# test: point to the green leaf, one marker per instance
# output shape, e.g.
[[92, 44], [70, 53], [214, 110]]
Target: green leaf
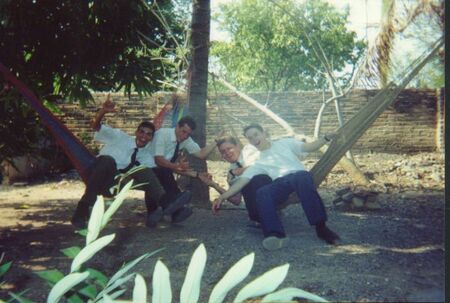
[[190, 291], [115, 294], [287, 294], [82, 232], [117, 283], [234, 276], [162, 291], [5, 267], [99, 278], [116, 204], [89, 251], [52, 276], [71, 252], [140, 290], [89, 291], [52, 107], [74, 299], [264, 284], [128, 266], [95, 220], [64, 285], [19, 298]]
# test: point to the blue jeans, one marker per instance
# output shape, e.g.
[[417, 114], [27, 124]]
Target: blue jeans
[[278, 191], [249, 194]]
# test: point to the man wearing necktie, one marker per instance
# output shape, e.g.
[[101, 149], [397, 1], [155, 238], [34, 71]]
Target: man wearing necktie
[[120, 153], [166, 147], [240, 158]]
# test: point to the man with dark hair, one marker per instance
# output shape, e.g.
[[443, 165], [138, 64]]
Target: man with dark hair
[[120, 153], [279, 160], [166, 148]]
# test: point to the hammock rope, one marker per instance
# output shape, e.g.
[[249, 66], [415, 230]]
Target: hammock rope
[[77, 153]]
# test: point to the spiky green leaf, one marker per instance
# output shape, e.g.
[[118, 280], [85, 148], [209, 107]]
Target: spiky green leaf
[[289, 293], [64, 285], [234, 276], [139, 290], [116, 204], [162, 291], [89, 251], [266, 283], [95, 220], [190, 291]]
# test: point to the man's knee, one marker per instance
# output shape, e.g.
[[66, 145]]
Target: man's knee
[[106, 161], [260, 180], [104, 165], [304, 177]]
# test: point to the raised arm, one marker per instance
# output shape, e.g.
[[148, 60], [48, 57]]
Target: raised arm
[[315, 145], [205, 151], [107, 107]]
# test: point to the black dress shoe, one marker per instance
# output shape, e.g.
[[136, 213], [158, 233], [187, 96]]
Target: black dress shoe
[[326, 234], [181, 215], [154, 217]]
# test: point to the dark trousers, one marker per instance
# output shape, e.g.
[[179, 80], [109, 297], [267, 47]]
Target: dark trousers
[[249, 194], [101, 179], [167, 181], [268, 196]]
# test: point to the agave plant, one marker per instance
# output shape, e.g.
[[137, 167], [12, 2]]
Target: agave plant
[[79, 281]]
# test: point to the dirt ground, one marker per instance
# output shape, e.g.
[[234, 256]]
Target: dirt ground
[[393, 253]]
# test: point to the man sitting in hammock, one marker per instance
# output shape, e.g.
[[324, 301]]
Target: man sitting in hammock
[[240, 158], [120, 153], [166, 148], [279, 160]]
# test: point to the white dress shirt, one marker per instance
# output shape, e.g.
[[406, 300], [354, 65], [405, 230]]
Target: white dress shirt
[[249, 154], [120, 146], [279, 160], [165, 141]]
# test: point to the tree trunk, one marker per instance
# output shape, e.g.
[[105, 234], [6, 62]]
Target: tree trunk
[[198, 88]]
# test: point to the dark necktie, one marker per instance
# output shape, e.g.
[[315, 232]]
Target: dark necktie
[[238, 164], [175, 153], [133, 160]]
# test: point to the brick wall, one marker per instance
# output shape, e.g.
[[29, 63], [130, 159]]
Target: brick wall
[[412, 124]]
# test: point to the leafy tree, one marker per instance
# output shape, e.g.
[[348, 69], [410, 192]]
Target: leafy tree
[[66, 49], [267, 51]]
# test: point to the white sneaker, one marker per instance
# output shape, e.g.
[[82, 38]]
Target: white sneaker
[[275, 243]]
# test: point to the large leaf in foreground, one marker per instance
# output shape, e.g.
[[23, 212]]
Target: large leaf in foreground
[[162, 291], [190, 291], [234, 276], [264, 284], [89, 251], [287, 294], [64, 285]]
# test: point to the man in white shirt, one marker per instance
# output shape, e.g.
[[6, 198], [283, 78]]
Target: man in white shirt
[[120, 153], [240, 158], [166, 148], [279, 160]]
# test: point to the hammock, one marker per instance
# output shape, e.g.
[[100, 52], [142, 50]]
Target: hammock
[[77, 153], [354, 128]]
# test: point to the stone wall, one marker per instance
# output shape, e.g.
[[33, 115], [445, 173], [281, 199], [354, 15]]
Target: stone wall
[[414, 123]]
